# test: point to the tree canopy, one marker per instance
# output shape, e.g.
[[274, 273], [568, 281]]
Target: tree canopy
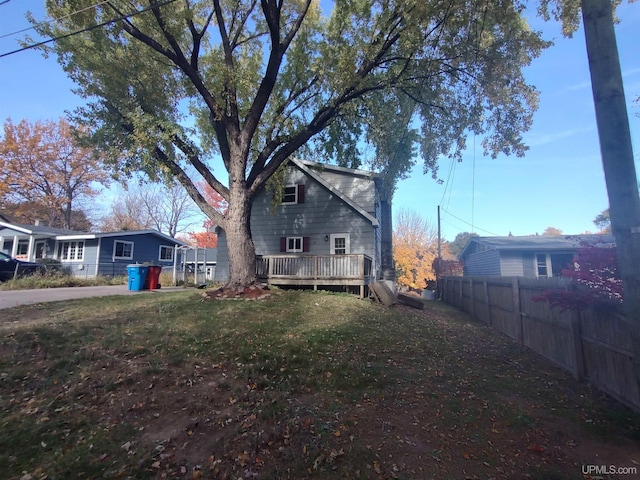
[[46, 172], [458, 243], [415, 247], [165, 208], [172, 85]]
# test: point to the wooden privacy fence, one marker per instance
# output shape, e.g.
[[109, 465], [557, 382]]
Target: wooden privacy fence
[[594, 345]]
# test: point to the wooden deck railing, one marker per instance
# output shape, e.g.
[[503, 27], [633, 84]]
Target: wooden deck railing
[[333, 268]]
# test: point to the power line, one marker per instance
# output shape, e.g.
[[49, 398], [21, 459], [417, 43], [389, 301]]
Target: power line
[[464, 221], [5, 1], [55, 20], [93, 27]]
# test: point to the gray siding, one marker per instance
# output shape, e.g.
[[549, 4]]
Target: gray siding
[[360, 190], [222, 265], [482, 263], [528, 264], [511, 264], [321, 214]]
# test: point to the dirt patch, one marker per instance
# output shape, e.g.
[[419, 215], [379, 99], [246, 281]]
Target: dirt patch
[[252, 292]]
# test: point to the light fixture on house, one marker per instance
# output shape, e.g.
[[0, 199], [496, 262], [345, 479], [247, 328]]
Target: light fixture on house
[[326, 238]]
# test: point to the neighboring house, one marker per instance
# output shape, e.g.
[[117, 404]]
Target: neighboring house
[[333, 227], [528, 256], [88, 254], [201, 260]]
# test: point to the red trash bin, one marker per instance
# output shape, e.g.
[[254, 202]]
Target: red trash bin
[[153, 278]]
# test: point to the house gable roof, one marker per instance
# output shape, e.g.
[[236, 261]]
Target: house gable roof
[[539, 242], [124, 233], [37, 229], [64, 234], [305, 167]]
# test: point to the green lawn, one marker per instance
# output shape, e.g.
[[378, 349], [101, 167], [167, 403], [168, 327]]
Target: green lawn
[[300, 385]]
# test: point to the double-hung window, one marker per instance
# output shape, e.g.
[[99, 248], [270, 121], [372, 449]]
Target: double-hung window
[[122, 250], [552, 264], [340, 243], [166, 253], [292, 195]]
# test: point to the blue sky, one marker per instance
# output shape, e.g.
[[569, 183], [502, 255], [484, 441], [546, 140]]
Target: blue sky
[[558, 183]]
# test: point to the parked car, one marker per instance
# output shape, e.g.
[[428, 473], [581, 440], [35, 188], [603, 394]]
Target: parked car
[[8, 266]]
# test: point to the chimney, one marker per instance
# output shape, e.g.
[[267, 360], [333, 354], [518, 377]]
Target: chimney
[[37, 223]]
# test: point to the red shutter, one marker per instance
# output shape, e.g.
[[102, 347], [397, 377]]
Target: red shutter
[[283, 244], [306, 242], [300, 193]]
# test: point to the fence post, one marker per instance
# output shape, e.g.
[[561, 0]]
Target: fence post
[[472, 300], [487, 301], [461, 296], [578, 346], [517, 314]]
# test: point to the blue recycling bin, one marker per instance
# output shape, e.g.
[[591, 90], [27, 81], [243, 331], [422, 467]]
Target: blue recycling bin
[[137, 276]]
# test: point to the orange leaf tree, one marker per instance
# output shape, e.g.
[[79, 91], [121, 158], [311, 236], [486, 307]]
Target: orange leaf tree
[[208, 238], [415, 246], [42, 164]]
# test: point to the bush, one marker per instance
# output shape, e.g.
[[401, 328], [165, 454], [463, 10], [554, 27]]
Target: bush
[[596, 280]]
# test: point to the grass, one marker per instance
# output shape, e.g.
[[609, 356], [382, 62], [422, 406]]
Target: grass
[[301, 385], [58, 280]]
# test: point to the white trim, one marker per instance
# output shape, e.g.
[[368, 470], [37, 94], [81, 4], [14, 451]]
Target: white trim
[[337, 168], [98, 248], [332, 243], [12, 226], [60, 245], [335, 191], [166, 247], [114, 257], [294, 250], [295, 195], [547, 261]]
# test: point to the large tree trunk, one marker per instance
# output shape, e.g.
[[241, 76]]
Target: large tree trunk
[[241, 250], [617, 155]]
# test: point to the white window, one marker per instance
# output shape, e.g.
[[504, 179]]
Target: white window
[[340, 243], [122, 250], [290, 195], [294, 244], [166, 253], [71, 251], [552, 264], [541, 265]]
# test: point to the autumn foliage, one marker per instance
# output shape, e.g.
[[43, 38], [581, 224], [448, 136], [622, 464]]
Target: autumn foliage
[[208, 238], [415, 246], [448, 267], [42, 166], [596, 280]]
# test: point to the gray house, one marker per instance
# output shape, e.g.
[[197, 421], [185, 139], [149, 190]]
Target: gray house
[[527, 256], [202, 261], [87, 254], [333, 227]]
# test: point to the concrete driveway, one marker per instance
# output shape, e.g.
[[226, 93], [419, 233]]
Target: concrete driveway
[[14, 298]]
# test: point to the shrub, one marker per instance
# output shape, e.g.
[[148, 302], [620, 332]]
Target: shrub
[[596, 280]]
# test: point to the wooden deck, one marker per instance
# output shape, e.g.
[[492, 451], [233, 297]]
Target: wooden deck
[[316, 270]]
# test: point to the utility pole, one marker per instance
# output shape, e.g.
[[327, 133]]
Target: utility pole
[[617, 156]]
